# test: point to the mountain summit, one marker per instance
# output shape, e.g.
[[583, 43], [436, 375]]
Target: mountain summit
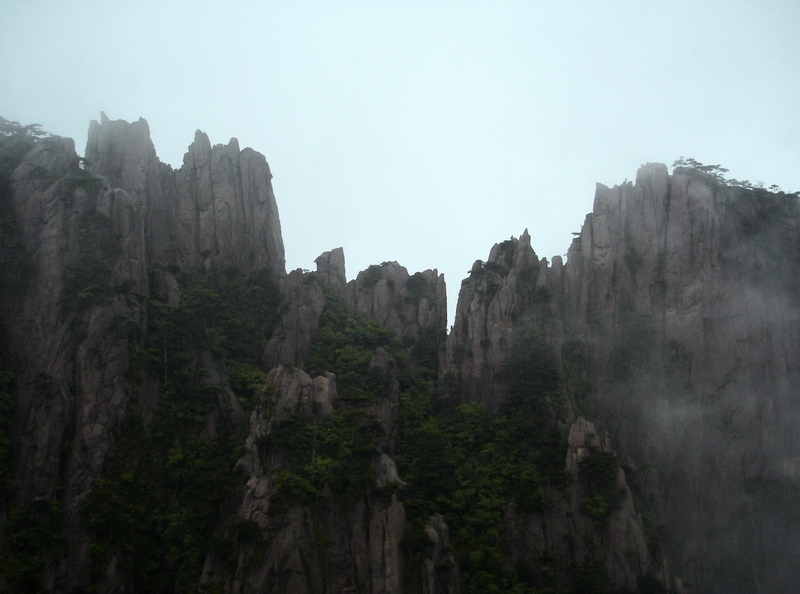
[[180, 414]]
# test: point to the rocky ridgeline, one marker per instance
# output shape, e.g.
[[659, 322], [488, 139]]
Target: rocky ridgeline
[[494, 303], [132, 222], [674, 326], [218, 210], [662, 356], [92, 236], [406, 304]]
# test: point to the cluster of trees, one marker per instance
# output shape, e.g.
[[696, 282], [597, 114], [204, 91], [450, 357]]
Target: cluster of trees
[[15, 142], [158, 500], [717, 173]]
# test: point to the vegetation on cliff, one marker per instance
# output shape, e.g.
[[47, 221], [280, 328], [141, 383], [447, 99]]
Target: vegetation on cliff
[[16, 141], [519, 519], [157, 502]]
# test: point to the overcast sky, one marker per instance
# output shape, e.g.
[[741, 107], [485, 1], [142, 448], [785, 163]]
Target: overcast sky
[[424, 132]]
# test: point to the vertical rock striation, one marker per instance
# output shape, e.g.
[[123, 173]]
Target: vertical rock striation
[[495, 303], [405, 304], [218, 210], [506, 345], [303, 546], [685, 294], [664, 356], [92, 234]]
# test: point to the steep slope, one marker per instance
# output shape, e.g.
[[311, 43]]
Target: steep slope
[[673, 326], [685, 291], [218, 210], [132, 343], [180, 413], [511, 350], [101, 238]]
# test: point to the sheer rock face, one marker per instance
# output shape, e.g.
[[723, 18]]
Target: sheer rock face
[[385, 294], [330, 269], [217, 210], [495, 304], [298, 322], [71, 351], [338, 549], [440, 574], [681, 295], [503, 305], [685, 293], [570, 535]]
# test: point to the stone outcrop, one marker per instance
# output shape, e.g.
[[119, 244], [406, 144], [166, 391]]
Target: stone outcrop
[[299, 314], [566, 532], [335, 548], [675, 321], [405, 304], [668, 345], [499, 301], [91, 235], [70, 366], [218, 210], [507, 308], [440, 573], [409, 305], [684, 292], [330, 269]]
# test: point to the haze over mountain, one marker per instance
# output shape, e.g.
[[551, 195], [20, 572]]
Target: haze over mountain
[[424, 128], [179, 413]]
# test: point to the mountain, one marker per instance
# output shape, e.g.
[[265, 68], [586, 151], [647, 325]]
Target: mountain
[[674, 326], [180, 414]]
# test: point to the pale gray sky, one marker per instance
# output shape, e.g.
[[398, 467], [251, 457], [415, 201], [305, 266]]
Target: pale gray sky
[[424, 132]]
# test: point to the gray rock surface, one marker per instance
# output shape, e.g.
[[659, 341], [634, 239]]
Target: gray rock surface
[[685, 295], [72, 351], [568, 534], [405, 304], [363, 550], [299, 315], [495, 303], [440, 574], [679, 297], [217, 210], [330, 269]]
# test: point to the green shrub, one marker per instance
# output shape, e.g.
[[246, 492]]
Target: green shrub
[[89, 273], [157, 502], [598, 475], [33, 539]]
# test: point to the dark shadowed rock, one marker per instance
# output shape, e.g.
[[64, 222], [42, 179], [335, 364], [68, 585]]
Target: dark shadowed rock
[[300, 312], [440, 573], [496, 302], [91, 235], [217, 210], [685, 294], [364, 540]]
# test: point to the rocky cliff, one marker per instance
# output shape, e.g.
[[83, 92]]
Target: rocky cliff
[[218, 210], [684, 291], [96, 237], [673, 326], [285, 536], [512, 348], [180, 413]]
